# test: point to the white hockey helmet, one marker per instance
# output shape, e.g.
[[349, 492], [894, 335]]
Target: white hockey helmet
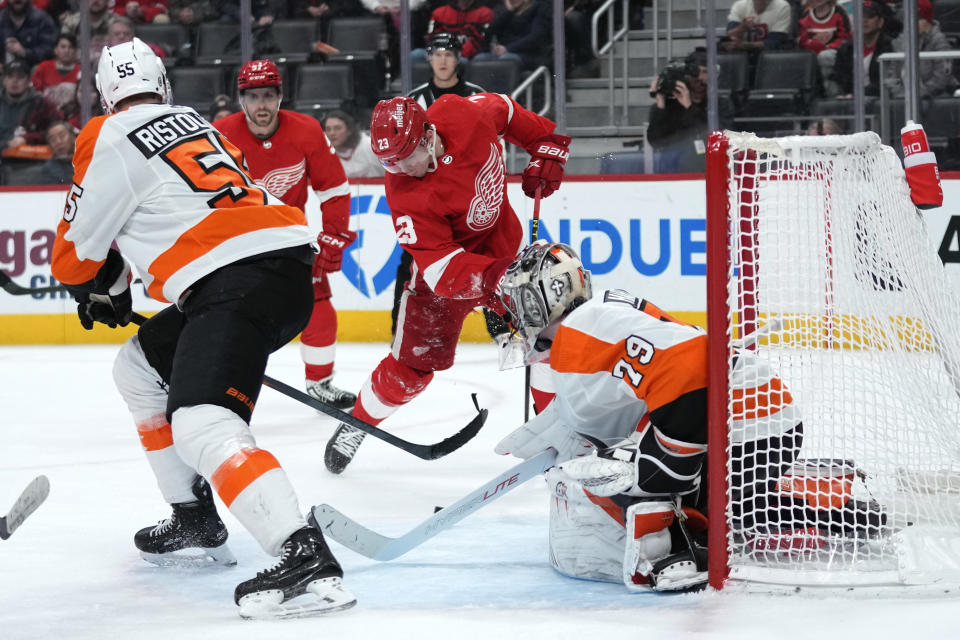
[[128, 69], [544, 284]]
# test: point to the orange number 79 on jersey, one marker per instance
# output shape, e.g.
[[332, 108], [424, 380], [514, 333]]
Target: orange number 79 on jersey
[[214, 166], [638, 350]]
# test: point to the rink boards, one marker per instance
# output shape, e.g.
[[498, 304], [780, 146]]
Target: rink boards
[[645, 234]]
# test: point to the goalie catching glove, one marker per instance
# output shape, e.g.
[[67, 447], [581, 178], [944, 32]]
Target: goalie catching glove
[[332, 246], [106, 298], [545, 170]]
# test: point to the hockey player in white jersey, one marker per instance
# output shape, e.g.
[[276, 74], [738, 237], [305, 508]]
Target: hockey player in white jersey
[[235, 263], [629, 423]]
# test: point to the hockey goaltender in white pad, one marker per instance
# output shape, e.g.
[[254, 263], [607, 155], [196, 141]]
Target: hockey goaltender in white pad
[[628, 420]]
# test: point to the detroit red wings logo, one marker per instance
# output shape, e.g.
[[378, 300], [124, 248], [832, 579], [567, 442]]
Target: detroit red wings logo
[[279, 181], [485, 206]]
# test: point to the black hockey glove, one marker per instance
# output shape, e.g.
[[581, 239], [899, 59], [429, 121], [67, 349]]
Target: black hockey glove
[[106, 298]]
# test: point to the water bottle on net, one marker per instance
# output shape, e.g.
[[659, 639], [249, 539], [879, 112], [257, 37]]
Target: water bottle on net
[[920, 165]]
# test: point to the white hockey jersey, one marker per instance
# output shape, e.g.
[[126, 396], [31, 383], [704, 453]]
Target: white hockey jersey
[[618, 363], [175, 195]]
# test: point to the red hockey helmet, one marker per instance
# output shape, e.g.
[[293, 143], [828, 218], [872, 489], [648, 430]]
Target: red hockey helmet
[[259, 73], [397, 127]]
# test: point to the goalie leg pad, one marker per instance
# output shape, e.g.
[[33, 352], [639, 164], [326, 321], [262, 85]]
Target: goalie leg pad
[[586, 540], [144, 391], [648, 540]]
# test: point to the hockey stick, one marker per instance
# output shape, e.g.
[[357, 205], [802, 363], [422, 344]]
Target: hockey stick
[[534, 232], [373, 545], [15, 289], [32, 497], [422, 451]]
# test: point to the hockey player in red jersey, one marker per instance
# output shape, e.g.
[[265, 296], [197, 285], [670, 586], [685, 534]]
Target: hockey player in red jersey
[[234, 263], [446, 188], [286, 152]]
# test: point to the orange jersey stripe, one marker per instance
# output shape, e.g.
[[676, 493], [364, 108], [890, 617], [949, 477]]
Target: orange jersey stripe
[[65, 265], [760, 402], [239, 471], [219, 226], [609, 506], [670, 373], [155, 433], [86, 141]]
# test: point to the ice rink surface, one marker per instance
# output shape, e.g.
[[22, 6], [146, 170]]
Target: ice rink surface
[[72, 572]]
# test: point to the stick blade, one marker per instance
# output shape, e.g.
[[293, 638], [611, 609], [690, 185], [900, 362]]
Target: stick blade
[[353, 536], [460, 438], [31, 498]]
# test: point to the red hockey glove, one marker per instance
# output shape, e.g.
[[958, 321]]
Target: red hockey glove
[[547, 157], [332, 246], [921, 167]]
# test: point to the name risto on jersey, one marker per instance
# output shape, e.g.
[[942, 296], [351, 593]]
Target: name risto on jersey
[[158, 134]]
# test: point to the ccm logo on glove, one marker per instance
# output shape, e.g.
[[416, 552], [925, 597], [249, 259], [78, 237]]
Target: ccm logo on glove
[[332, 245]]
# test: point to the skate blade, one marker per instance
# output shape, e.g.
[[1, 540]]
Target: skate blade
[[193, 558], [324, 596]]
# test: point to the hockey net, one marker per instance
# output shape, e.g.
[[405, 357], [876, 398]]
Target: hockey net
[[819, 265]]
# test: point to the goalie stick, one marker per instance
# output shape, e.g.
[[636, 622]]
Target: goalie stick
[[422, 451], [373, 545], [31, 498]]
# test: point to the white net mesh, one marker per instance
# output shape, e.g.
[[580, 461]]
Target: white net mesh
[[835, 283]]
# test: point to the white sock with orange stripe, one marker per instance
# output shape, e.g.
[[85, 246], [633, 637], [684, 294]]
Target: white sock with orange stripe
[[143, 390], [249, 480]]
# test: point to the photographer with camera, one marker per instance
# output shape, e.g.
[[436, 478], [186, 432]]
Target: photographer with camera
[[677, 128]]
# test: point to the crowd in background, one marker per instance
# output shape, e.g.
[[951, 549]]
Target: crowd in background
[[41, 61], [678, 120]]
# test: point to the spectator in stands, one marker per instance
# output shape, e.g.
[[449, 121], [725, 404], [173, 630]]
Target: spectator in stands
[[822, 28], [677, 128], [222, 107], [935, 76], [521, 30], [143, 10], [72, 112], [24, 113], [825, 127], [443, 53], [391, 9], [26, 32], [101, 17], [323, 11], [352, 146], [263, 12], [581, 63], [875, 43], [467, 19], [56, 79], [758, 24], [62, 140], [190, 13], [122, 30]]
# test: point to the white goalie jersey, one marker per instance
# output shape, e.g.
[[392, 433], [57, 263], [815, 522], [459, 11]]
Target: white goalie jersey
[[176, 196]]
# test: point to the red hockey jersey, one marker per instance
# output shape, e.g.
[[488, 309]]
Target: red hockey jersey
[[297, 153], [456, 222]]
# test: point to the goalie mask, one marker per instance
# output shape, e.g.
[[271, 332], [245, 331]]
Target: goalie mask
[[128, 69], [544, 284]]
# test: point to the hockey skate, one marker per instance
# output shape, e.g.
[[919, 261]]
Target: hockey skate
[[342, 447], [193, 536], [324, 391], [306, 568]]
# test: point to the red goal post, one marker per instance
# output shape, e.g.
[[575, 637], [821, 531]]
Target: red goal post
[[820, 269]]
